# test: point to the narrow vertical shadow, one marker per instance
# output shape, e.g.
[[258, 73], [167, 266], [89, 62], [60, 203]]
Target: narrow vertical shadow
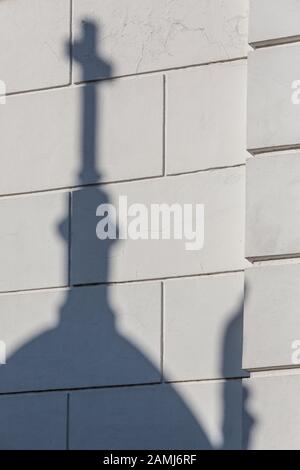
[[233, 346]]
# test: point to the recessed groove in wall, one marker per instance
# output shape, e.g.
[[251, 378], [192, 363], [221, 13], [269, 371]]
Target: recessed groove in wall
[[116, 283], [293, 151], [268, 258], [106, 183], [275, 42], [275, 371], [277, 262], [273, 150]]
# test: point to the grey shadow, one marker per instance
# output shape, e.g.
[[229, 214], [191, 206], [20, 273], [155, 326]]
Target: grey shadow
[[86, 349]]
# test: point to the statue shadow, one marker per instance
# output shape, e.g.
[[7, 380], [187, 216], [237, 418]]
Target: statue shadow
[[86, 348]]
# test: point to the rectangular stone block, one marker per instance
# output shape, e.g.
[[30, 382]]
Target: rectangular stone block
[[82, 135], [34, 38], [273, 21], [200, 103], [275, 414], [144, 254], [183, 416], [273, 205], [115, 38], [203, 327], [273, 98], [83, 337], [271, 323], [34, 235], [33, 422]]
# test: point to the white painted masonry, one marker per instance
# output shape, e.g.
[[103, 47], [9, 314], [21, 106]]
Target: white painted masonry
[[271, 315], [142, 344], [32, 44], [54, 118], [149, 98]]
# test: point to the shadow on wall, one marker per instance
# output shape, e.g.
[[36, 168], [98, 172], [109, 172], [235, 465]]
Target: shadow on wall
[[86, 349]]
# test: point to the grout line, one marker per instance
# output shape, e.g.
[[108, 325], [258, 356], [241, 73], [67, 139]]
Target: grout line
[[79, 389], [68, 423], [38, 90], [203, 381], [205, 170], [70, 238], [170, 69], [121, 386], [162, 333], [71, 42], [117, 283], [124, 181], [140, 74], [164, 124], [36, 289]]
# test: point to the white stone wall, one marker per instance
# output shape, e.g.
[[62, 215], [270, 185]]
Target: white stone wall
[[138, 343], [271, 317]]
